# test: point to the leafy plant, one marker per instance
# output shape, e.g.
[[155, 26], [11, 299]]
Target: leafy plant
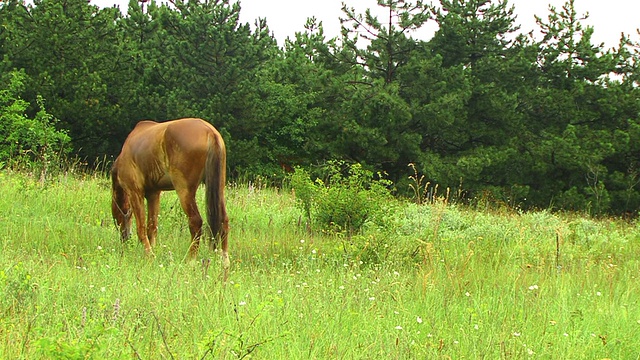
[[27, 141], [345, 201], [305, 190]]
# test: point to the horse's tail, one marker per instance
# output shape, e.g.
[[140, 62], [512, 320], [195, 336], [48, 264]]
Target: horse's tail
[[214, 178]]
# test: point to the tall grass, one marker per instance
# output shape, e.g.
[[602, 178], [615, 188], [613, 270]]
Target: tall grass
[[429, 281]]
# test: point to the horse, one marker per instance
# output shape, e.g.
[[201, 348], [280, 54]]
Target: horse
[[174, 155]]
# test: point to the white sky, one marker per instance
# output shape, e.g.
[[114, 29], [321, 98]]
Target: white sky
[[610, 18]]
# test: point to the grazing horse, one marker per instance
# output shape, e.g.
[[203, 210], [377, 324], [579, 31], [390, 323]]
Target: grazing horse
[[174, 155]]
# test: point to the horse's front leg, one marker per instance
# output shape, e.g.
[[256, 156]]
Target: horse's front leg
[[137, 206], [153, 208]]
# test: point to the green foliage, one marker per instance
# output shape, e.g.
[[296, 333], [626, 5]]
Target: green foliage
[[305, 189], [530, 122], [389, 44], [27, 140], [74, 58], [348, 198], [342, 208], [472, 30]]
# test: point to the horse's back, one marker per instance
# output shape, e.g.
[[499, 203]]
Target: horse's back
[[144, 124], [189, 134], [149, 137], [162, 153]]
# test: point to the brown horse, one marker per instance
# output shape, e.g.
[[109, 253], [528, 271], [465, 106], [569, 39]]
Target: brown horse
[[175, 155]]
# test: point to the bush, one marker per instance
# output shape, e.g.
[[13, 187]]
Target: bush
[[305, 190], [24, 140], [345, 201]]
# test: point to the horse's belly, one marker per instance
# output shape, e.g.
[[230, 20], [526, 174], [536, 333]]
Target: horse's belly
[[165, 183]]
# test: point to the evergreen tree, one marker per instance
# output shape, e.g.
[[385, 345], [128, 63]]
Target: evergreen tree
[[388, 43], [477, 145], [70, 53]]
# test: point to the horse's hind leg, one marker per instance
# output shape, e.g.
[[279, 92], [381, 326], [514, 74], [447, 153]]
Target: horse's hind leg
[[188, 203], [153, 207], [224, 235]]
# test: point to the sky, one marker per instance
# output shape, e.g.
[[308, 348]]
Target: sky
[[286, 17], [609, 18]]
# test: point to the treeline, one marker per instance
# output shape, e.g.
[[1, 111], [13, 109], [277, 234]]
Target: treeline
[[550, 122]]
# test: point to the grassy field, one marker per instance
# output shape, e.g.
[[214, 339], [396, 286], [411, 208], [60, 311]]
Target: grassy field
[[431, 281]]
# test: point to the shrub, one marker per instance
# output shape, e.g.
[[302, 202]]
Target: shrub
[[345, 201], [305, 190], [24, 140]]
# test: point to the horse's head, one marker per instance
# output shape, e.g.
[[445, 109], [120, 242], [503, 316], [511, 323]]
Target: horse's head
[[120, 207]]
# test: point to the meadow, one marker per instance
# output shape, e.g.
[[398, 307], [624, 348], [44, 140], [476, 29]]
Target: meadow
[[430, 281]]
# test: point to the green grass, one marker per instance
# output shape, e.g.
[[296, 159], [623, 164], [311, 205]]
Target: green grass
[[430, 281]]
